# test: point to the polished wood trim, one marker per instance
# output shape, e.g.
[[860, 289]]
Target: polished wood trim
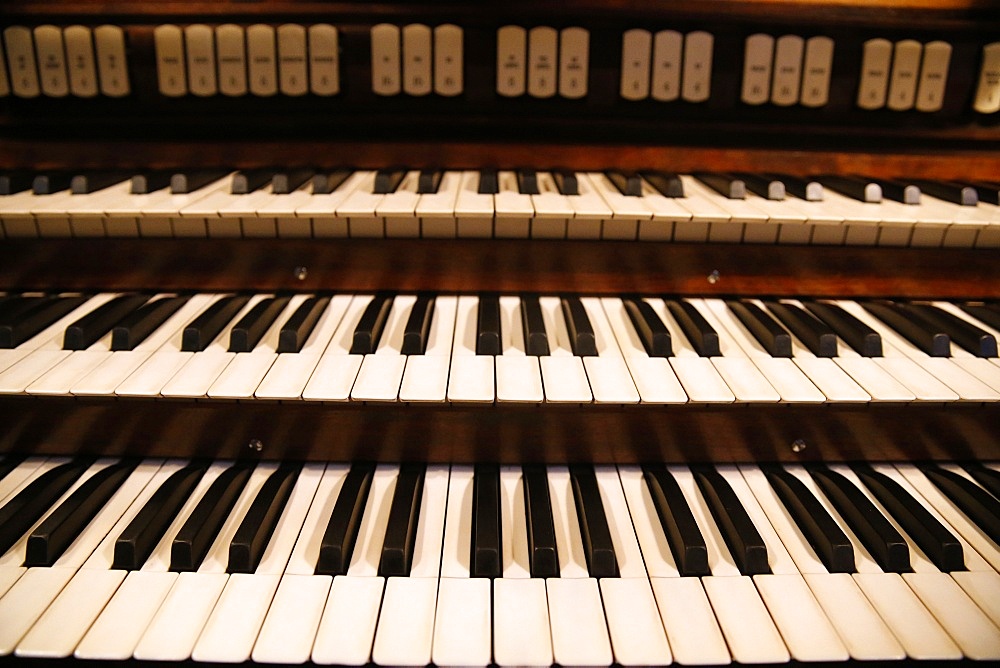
[[979, 163], [453, 433], [594, 267]]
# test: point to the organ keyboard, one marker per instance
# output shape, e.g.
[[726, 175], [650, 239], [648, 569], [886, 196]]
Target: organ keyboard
[[447, 334]]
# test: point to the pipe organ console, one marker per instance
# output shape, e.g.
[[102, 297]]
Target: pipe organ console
[[443, 333]]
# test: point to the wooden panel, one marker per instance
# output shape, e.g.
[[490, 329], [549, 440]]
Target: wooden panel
[[466, 434], [595, 267]]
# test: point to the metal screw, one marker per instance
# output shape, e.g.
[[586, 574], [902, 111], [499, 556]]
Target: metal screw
[[714, 277], [301, 273], [256, 444], [798, 445]]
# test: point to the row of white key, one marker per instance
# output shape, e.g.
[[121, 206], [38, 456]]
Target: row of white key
[[458, 210], [449, 370], [798, 611]]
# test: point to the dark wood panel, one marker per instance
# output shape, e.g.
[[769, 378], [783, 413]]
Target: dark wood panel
[[456, 433], [595, 267]]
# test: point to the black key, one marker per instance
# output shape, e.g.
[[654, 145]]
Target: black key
[[527, 182], [536, 340], [806, 189], [9, 463], [987, 477], [341, 533], [487, 548], [667, 184], [84, 184], [257, 527], [250, 180], [296, 330], [143, 184], [543, 555], [369, 329], [283, 183], [899, 191], [828, 540], [986, 191], [47, 184], [87, 330], [203, 329], [401, 530], [976, 340], [137, 542], [652, 332], [810, 330], [418, 326], [489, 183], [135, 327], [875, 532], [703, 338], [22, 511], [977, 504], [12, 183], [566, 182], [192, 542], [597, 544], [37, 315], [768, 188], [429, 181], [741, 536], [581, 332], [488, 340], [949, 191], [188, 182], [724, 184], [863, 339], [251, 328], [65, 524], [387, 180], [685, 538], [911, 327], [862, 190], [988, 313], [325, 183], [772, 336], [938, 543], [627, 183]]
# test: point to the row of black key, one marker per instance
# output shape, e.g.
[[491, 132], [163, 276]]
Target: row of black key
[[190, 546]]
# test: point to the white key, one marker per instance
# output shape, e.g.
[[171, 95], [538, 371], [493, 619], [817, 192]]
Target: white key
[[12, 482], [293, 619], [690, 624], [569, 545], [965, 622], [398, 208], [749, 631], [609, 376], [471, 378], [514, 530], [518, 376], [382, 372], [521, 623], [174, 629], [406, 622], [290, 373], [637, 635], [552, 210], [590, 211], [456, 553], [579, 631], [27, 600], [627, 553], [462, 634], [337, 369], [627, 212], [347, 628], [436, 211], [563, 375], [429, 541], [513, 211], [669, 216], [320, 210], [473, 211], [781, 373], [425, 377], [656, 554], [359, 209], [804, 626], [654, 378]]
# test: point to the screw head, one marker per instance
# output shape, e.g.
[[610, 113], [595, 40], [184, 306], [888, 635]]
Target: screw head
[[256, 444], [300, 273], [798, 445], [714, 277]]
